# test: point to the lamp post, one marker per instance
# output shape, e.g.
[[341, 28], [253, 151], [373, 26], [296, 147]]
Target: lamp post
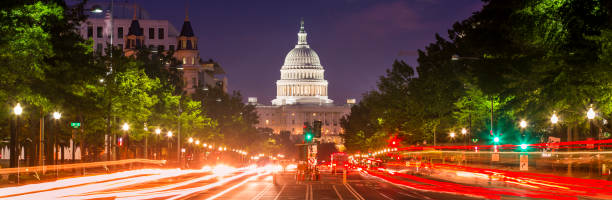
[[464, 132], [157, 132], [14, 158], [56, 117], [169, 135], [125, 129], [591, 115], [146, 152]]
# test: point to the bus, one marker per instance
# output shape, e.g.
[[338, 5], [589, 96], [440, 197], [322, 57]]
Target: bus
[[339, 161]]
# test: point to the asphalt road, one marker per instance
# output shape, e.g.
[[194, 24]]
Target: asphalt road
[[249, 183], [359, 186]]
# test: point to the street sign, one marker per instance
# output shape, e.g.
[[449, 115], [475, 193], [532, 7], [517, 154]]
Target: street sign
[[524, 161], [495, 157], [75, 124]]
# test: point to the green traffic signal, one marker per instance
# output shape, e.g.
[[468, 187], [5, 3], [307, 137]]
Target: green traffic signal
[[523, 146], [496, 139], [308, 137]]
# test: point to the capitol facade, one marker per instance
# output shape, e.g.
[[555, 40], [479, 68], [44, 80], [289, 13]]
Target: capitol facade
[[302, 96]]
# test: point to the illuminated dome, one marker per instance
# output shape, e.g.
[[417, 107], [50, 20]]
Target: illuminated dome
[[302, 76], [302, 57]]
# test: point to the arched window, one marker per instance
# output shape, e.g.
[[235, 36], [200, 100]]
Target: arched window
[[184, 60]]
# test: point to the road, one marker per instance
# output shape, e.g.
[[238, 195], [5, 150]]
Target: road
[[254, 183], [217, 183]]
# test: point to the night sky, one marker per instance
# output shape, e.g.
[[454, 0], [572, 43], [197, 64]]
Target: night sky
[[357, 40]]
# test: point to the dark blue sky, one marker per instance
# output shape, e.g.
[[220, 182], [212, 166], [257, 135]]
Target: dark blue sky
[[357, 40]]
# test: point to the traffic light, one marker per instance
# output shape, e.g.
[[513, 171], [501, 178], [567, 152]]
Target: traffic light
[[317, 128], [394, 142], [523, 146], [496, 139], [307, 132]]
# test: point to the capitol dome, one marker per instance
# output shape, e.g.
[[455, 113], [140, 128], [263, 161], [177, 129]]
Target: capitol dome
[[302, 57], [302, 76]]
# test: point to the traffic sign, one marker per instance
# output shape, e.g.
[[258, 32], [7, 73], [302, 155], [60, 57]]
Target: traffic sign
[[75, 124]]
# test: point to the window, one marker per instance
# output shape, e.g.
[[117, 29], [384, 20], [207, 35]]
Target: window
[[120, 47], [160, 48], [151, 33], [89, 32], [188, 44], [99, 32], [293, 121], [171, 47], [193, 60], [184, 60], [151, 47], [193, 82], [120, 32], [160, 33], [99, 47]]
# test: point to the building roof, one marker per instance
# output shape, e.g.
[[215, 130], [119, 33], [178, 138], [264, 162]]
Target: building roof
[[135, 28], [186, 30]]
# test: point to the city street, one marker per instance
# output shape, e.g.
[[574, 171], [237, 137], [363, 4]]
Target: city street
[[218, 183]]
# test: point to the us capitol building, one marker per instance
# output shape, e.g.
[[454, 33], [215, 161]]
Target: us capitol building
[[302, 96]]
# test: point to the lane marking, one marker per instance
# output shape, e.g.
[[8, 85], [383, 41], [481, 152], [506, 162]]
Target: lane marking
[[279, 192], [401, 187], [353, 191], [383, 195], [337, 193], [260, 194], [232, 188]]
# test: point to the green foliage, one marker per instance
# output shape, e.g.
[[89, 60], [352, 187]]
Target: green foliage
[[530, 58]]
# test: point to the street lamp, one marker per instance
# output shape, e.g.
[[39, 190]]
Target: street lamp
[[157, 131], [169, 134], [590, 113], [554, 119], [197, 142], [57, 115], [18, 109], [125, 127], [190, 140], [452, 134], [463, 131], [523, 124], [14, 159]]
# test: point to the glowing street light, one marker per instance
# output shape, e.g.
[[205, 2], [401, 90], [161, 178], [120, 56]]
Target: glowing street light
[[205, 144], [190, 140], [554, 119], [523, 146], [463, 131], [18, 109], [157, 131], [590, 113], [523, 124], [452, 134], [197, 142], [496, 139], [57, 115], [169, 134], [125, 127]]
